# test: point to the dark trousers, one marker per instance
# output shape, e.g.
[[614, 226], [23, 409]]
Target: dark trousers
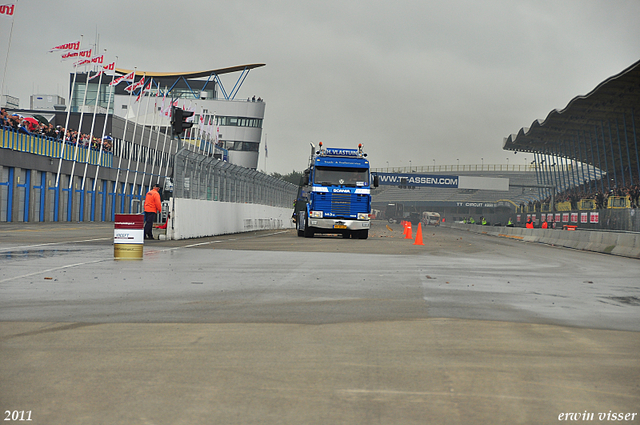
[[149, 218]]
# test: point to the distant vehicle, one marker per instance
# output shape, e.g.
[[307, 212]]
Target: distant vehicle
[[431, 218], [335, 194], [394, 213]]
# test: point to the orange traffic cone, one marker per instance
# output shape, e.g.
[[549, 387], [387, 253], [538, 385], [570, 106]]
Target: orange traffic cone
[[408, 231], [419, 235]]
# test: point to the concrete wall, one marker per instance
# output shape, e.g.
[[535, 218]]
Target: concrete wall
[[625, 244], [194, 218]]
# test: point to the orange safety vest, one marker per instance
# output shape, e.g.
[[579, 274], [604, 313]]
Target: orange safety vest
[[544, 225], [152, 202]]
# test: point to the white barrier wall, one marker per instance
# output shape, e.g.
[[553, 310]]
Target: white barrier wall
[[617, 243], [194, 218]]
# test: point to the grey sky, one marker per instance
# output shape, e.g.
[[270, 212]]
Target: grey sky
[[412, 81]]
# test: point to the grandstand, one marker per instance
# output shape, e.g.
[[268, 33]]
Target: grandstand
[[104, 163], [456, 203], [586, 163]]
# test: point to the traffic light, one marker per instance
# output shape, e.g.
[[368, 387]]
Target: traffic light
[[179, 120]]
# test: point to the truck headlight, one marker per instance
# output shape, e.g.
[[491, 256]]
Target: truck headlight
[[363, 216], [316, 214]]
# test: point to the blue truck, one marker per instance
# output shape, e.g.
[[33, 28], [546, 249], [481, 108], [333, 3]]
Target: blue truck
[[335, 194]]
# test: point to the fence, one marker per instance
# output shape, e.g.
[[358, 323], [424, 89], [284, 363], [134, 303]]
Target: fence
[[197, 176], [107, 183]]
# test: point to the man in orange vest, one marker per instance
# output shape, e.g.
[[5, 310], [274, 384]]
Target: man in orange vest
[[529, 224], [544, 224], [152, 206]]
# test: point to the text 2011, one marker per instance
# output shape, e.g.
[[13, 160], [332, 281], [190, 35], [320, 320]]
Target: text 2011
[[17, 415]]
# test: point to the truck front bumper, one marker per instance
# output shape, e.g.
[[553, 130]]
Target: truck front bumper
[[337, 225]]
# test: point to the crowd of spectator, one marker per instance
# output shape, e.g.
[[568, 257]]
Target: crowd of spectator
[[587, 191], [32, 126]]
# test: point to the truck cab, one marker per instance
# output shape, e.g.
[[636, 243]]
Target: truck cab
[[335, 194]]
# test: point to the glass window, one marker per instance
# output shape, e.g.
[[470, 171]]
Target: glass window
[[350, 177]]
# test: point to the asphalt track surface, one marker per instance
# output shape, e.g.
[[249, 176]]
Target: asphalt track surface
[[267, 327]]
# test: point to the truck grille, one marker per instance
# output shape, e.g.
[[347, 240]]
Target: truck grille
[[342, 204]]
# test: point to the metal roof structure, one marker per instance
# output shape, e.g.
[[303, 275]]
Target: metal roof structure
[[194, 74], [599, 129], [187, 78]]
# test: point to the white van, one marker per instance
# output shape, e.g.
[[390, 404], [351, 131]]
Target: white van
[[430, 218]]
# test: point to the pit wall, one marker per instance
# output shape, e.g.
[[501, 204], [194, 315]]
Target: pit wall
[[616, 243], [195, 218]]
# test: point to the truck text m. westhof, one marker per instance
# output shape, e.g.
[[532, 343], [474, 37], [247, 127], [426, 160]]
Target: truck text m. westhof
[[335, 194]]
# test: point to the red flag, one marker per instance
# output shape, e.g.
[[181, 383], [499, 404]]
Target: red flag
[[110, 67]]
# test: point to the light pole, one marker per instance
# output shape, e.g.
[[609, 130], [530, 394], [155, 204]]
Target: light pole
[[409, 165], [482, 163], [434, 165], [458, 159], [507, 163]]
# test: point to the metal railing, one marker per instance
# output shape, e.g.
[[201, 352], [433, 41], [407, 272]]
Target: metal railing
[[456, 168], [198, 176]]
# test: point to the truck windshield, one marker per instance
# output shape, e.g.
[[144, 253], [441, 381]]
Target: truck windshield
[[351, 177]]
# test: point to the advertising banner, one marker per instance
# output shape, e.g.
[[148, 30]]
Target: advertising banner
[[128, 237]]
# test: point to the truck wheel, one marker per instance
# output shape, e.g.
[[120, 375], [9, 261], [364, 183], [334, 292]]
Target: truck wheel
[[308, 233], [363, 234], [346, 234], [299, 221]]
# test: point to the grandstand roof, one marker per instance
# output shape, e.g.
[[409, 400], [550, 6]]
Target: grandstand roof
[[608, 117], [193, 74]]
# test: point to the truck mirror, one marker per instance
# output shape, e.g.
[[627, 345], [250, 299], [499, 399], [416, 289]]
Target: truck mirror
[[376, 181]]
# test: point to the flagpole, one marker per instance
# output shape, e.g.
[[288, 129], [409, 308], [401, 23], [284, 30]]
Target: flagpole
[[153, 124], [75, 150], [164, 143], [266, 153], [133, 141], [93, 122], [144, 125], [66, 123], [6, 60], [104, 130], [155, 111], [124, 135]]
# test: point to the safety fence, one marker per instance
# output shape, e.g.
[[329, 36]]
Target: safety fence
[[626, 220], [612, 202], [47, 146], [116, 181], [198, 176]]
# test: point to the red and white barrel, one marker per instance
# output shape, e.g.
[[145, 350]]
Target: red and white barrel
[[128, 237]]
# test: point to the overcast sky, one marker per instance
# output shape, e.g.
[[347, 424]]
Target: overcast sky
[[412, 80]]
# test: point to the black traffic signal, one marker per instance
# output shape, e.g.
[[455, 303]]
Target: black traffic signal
[[179, 120]]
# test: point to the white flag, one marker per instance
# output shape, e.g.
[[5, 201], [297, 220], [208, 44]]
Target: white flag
[[129, 77], [86, 54], [7, 9], [96, 74]]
